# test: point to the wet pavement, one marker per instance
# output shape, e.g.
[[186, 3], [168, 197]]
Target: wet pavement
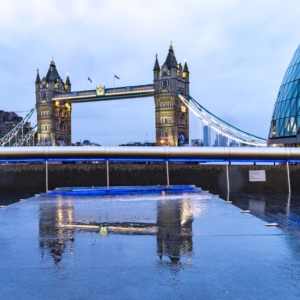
[[189, 246]]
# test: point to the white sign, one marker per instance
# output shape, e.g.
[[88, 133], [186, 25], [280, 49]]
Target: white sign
[[257, 175]]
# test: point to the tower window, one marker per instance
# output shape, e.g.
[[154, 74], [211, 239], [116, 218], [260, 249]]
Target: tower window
[[43, 96], [166, 120], [162, 120], [161, 104], [165, 83], [169, 104], [169, 120], [162, 133]]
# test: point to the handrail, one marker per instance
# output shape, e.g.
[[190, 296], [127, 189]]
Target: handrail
[[96, 153]]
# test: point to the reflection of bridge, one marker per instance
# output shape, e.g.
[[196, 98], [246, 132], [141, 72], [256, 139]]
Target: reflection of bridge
[[170, 89], [173, 228]]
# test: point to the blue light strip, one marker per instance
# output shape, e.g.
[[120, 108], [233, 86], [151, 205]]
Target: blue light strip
[[102, 159]]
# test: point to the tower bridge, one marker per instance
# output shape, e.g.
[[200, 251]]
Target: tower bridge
[[54, 100], [170, 90]]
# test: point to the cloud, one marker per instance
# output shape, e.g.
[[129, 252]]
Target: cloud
[[237, 53]]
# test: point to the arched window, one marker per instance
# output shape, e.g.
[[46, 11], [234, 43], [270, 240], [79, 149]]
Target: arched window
[[162, 133], [43, 127], [169, 104], [57, 126], [61, 127], [48, 126], [162, 120], [42, 113], [161, 104], [48, 113], [169, 120], [166, 120]]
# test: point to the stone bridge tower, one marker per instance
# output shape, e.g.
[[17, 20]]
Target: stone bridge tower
[[53, 118], [171, 115]]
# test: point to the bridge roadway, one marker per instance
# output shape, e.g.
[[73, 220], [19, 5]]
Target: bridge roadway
[[103, 94], [197, 154]]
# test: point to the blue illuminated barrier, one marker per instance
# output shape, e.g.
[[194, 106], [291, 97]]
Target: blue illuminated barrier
[[124, 190]]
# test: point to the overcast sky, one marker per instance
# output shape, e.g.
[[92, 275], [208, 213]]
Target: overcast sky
[[237, 54]]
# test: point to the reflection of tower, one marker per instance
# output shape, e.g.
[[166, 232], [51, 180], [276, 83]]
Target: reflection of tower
[[174, 235], [51, 238]]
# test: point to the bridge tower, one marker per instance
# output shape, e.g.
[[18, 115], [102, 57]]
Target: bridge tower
[[53, 118], [171, 115]]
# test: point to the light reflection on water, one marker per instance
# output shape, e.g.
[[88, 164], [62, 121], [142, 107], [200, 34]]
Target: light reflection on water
[[168, 217]]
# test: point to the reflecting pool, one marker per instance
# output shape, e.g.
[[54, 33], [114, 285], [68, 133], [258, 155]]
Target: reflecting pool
[[153, 246]]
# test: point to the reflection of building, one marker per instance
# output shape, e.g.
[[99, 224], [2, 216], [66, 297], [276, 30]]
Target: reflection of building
[[174, 235], [53, 239], [173, 228]]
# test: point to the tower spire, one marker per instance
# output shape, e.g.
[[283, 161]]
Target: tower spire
[[68, 82], [52, 63], [171, 61], [156, 65], [38, 79], [185, 67]]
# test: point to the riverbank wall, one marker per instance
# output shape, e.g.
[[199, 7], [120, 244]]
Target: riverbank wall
[[31, 178]]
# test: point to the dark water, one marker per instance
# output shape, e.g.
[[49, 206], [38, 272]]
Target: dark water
[[188, 246], [10, 198]]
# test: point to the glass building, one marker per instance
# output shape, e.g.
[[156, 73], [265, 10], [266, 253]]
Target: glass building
[[285, 123]]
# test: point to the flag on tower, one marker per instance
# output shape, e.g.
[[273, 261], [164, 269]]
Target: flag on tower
[[90, 79], [116, 76]]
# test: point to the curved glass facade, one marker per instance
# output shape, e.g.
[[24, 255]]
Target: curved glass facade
[[286, 115]]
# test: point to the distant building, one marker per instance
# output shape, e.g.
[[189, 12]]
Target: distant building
[[8, 120], [86, 143], [206, 136], [197, 142], [221, 141], [134, 144], [285, 122]]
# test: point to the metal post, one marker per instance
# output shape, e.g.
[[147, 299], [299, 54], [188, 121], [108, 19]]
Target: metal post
[[227, 177], [107, 174], [288, 176], [167, 167], [46, 176]]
